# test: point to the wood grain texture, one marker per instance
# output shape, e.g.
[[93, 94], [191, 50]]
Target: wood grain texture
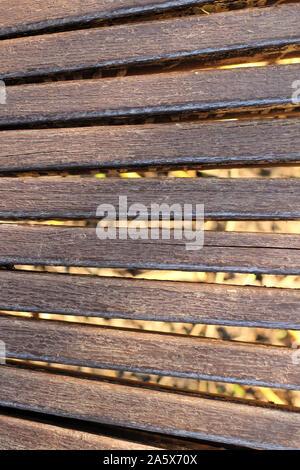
[[202, 145], [79, 198], [149, 353], [223, 251], [215, 91], [150, 300], [22, 434], [241, 34], [38, 15], [181, 414], [23, 430]]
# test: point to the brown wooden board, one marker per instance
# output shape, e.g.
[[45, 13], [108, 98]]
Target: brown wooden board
[[149, 353], [79, 198], [216, 91], [23, 430], [241, 34], [202, 145], [25, 16], [181, 414], [263, 253], [22, 434], [150, 300]]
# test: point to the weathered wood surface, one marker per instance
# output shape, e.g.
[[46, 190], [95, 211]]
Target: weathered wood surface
[[149, 353], [215, 91], [28, 431], [241, 34], [79, 198], [150, 300], [181, 414], [223, 251], [22, 434], [202, 145], [23, 16]]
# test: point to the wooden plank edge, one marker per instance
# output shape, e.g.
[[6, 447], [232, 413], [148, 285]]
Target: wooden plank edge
[[231, 305], [148, 352], [258, 142], [181, 414], [89, 18]]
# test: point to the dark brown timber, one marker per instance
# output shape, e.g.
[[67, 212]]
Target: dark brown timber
[[25, 16], [203, 145], [150, 300], [62, 112], [264, 253], [215, 91], [79, 198], [23, 430], [149, 353], [22, 434], [182, 414], [241, 34]]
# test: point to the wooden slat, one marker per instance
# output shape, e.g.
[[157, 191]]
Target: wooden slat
[[29, 431], [79, 198], [22, 434], [215, 91], [149, 353], [241, 34], [75, 246], [182, 414], [150, 300], [23, 16], [202, 145]]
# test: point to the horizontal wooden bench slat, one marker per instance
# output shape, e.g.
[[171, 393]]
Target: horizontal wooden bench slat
[[150, 300], [241, 34], [28, 431], [45, 402], [203, 145], [149, 353], [23, 434], [76, 246], [241, 89], [79, 198], [181, 414], [25, 16]]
